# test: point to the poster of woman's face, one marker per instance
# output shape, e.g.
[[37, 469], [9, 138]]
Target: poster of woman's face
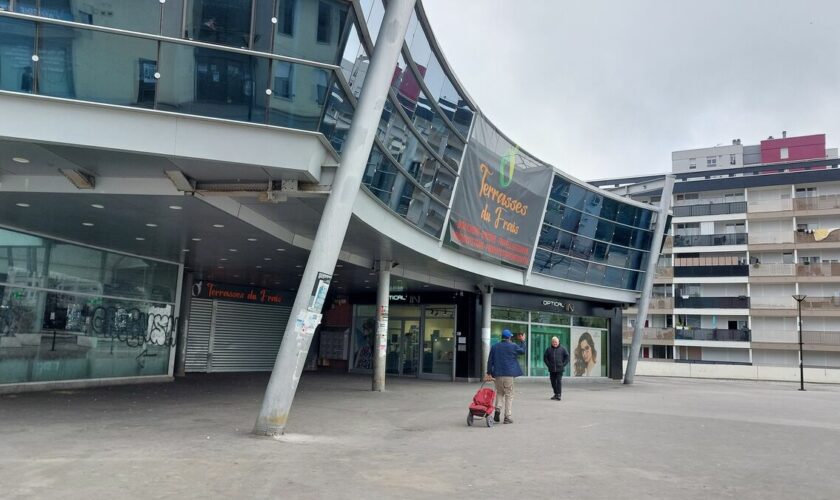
[[586, 352]]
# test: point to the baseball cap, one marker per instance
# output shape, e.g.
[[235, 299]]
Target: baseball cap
[[506, 334]]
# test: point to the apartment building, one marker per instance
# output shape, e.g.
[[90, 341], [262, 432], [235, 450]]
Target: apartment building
[[752, 226]]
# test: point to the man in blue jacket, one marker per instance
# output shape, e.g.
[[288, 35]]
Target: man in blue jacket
[[503, 367]]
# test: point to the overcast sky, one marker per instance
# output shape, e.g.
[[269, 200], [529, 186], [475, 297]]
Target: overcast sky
[[604, 88]]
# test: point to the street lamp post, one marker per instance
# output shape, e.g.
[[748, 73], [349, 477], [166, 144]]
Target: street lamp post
[[799, 298]]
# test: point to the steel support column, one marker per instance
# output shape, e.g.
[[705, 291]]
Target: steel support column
[[381, 343], [486, 306], [282, 385], [647, 289]]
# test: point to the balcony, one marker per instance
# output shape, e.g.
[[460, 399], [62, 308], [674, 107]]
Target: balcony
[[773, 270], [709, 240], [770, 238], [777, 205], [830, 202], [821, 303], [712, 302], [713, 334], [738, 207], [649, 334], [820, 338], [818, 270], [712, 271], [664, 272], [818, 236]]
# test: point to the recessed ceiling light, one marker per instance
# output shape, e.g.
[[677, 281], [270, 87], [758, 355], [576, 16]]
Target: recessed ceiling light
[[151, 225], [235, 275], [276, 282], [219, 225], [267, 258], [299, 275], [367, 281], [175, 207], [259, 267], [223, 259], [252, 283], [140, 239], [87, 224], [281, 249], [196, 239], [220, 267], [22, 205], [97, 205], [298, 266], [233, 250], [252, 239], [425, 286], [20, 159], [185, 250], [339, 265], [367, 287]]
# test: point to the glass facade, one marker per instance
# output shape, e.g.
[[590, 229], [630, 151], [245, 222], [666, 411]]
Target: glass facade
[[70, 312], [591, 238], [586, 338]]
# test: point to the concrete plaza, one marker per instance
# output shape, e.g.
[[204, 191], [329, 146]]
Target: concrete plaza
[[660, 438]]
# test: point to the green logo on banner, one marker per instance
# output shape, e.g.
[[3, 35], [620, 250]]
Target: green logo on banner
[[507, 166]]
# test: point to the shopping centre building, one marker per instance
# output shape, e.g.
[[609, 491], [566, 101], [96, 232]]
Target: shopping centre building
[[165, 166]]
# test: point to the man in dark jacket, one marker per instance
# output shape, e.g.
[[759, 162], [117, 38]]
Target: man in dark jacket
[[503, 367], [556, 358]]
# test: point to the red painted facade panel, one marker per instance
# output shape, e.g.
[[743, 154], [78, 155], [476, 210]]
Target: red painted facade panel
[[806, 147]]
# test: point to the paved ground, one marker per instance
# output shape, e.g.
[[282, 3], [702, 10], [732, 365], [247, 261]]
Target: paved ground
[[661, 438]]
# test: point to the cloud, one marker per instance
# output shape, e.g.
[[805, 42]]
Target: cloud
[[605, 88]]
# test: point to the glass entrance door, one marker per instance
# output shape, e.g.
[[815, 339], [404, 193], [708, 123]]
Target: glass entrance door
[[438, 341], [403, 347]]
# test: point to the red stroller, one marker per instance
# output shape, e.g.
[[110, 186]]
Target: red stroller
[[482, 405]]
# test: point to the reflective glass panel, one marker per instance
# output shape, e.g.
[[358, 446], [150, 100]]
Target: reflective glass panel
[[27, 7], [131, 15], [354, 62], [210, 82], [337, 117], [374, 15], [4, 4], [311, 30], [224, 22], [263, 26], [96, 66], [298, 95], [173, 14], [17, 45]]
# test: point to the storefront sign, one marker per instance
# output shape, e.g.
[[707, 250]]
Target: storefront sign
[[497, 208], [237, 293], [558, 304], [411, 299]]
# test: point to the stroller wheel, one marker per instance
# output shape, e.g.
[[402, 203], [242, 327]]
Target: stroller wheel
[[469, 419], [489, 420]]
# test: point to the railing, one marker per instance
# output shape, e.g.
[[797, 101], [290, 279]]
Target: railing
[[818, 269], [811, 303], [774, 336], [664, 272], [773, 270], [650, 333], [661, 303], [707, 240], [713, 302], [738, 207], [769, 238], [711, 271], [775, 302], [827, 202], [820, 338], [713, 334], [778, 205], [811, 236]]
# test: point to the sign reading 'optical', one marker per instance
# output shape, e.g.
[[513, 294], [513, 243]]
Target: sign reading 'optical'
[[497, 208]]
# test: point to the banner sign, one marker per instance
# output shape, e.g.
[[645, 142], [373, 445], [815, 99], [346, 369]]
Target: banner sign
[[236, 293], [498, 206]]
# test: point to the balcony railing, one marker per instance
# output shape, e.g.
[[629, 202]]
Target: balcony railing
[[777, 205], [711, 271], [708, 240], [817, 303], [665, 272], [811, 236], [713, 334], [738, 207], [773, 270], [762, 335], [713, 302], [817, 203], [815, 270], [820, 338], [757, 238], [650, 334]]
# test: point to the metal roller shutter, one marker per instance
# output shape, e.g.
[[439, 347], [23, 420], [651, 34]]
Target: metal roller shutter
[[198, 335], [246, 337]]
